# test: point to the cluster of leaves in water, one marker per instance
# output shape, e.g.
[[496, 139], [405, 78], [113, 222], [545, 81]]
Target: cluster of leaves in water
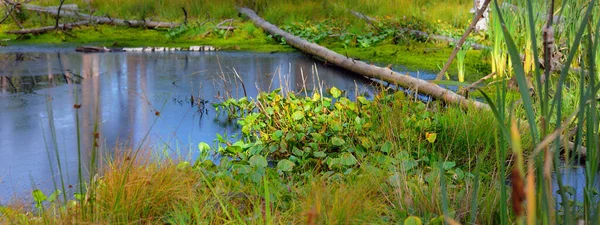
[[303, 131], [295, 135], [328, 134]]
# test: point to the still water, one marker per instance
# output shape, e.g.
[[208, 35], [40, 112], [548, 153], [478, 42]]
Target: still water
[[138, 97], [130, 89]]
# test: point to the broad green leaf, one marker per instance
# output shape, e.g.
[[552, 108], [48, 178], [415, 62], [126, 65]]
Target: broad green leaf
[[38, 196], [258, 161], [203, 147], [54, 195], [277, 135], [347, 159], [316, 96], [412, 220], [408, 164], [363, 100], [386, 147], [335, 93], [319, 154], [336, 141], [298, 115], [285, 165], [233, 149], [448, 165]]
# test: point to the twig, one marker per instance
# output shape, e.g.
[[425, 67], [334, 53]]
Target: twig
[[223, 22], [58, 13], [228, 29], [468, 88], [367, 19], [462, 39], [241, 81], [8, 12], [185, 16], [12, 15]]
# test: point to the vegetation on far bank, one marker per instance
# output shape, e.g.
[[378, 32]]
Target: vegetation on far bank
[[332, 26]]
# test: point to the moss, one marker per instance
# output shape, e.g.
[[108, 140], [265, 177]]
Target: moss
[[419, 56], [116, 36]]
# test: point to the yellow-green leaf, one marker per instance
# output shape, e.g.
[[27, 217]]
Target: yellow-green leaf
[[412, 220], [430, 137], [335, 92]]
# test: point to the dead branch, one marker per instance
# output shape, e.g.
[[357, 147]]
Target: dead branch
[[58, 13], [474, 84], [102, 20], [459, 44], [41, 30]]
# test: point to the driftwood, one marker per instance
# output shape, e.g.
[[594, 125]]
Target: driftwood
[[41, 30], [381, 73], [100, 19]]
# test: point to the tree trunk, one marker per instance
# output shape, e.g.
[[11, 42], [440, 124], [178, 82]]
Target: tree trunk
[[385, 74]]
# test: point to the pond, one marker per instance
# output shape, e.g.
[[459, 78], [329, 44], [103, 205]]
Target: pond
[[125, 92], [129, 90]]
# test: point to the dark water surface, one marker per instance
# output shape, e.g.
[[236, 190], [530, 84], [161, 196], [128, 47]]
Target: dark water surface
[[129, 89]]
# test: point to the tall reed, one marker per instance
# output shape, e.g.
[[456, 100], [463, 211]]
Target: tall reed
[[549, 137]]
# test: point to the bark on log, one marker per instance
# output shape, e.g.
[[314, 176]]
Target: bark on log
[[102, 20], [42, 30], [381, 73]]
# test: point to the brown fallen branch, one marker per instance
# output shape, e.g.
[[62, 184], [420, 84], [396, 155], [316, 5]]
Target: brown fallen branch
[[224, 22], [8, 12], [227, 28], [459, 44], [102, 20], [474, 84], [41, 30], [380, 73]]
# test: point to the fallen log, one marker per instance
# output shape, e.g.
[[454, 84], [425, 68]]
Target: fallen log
[[41, 30], [101, 19], [381, 73]]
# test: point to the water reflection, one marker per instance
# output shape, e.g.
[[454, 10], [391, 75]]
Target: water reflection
[[123, 92]]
